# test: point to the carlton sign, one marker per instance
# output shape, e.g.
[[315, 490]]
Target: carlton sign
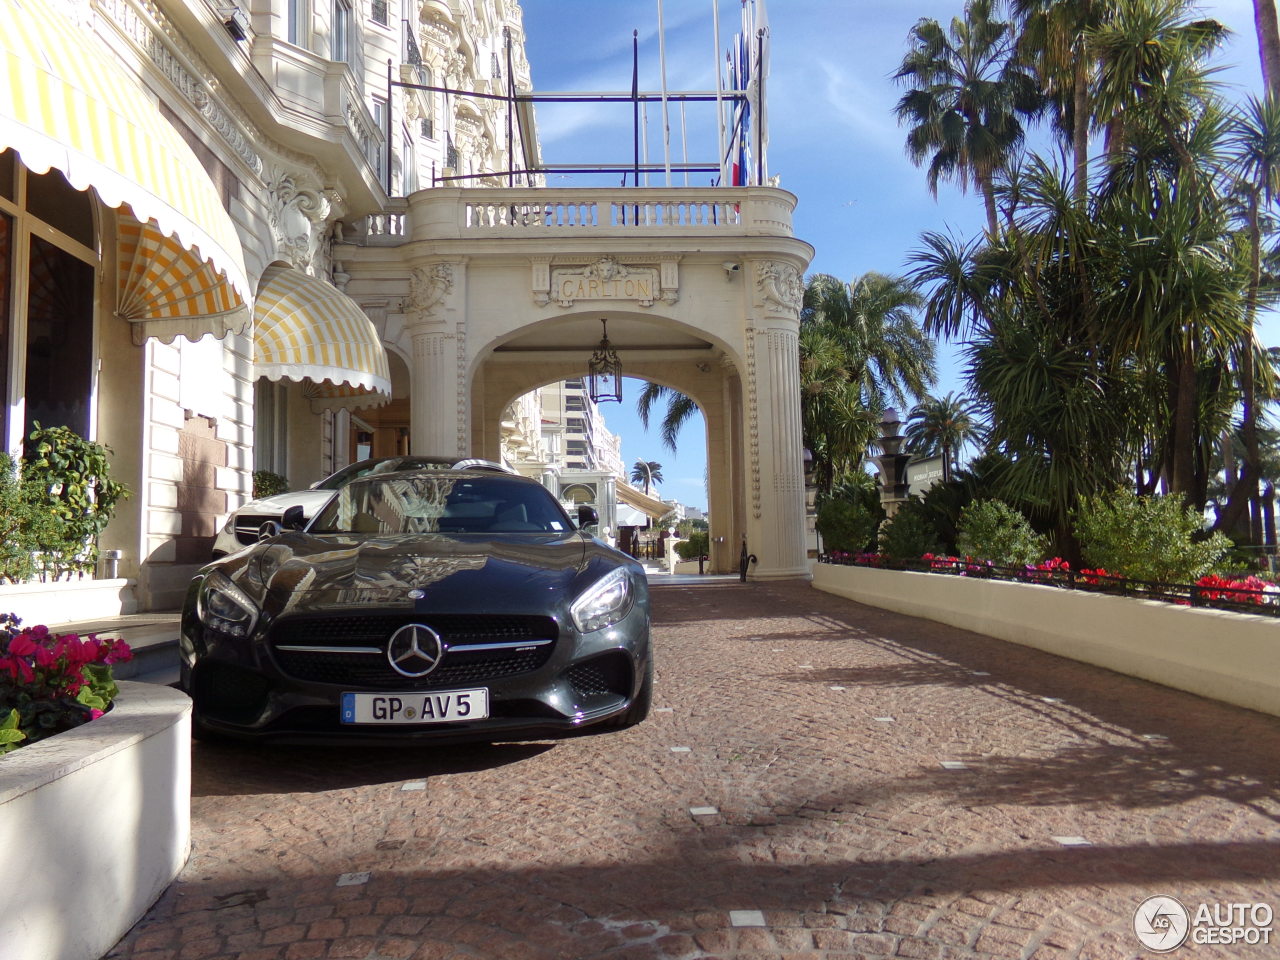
[[607, 279]]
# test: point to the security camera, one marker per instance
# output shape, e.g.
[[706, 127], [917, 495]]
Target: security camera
[[730, 268]]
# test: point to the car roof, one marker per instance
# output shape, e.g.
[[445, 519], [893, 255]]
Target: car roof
[[423, 463], [483, 469]]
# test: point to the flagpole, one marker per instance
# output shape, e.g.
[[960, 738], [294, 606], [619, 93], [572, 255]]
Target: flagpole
[[760, 109], [635, 104], [715, 25], [662, 68], [684, 144]]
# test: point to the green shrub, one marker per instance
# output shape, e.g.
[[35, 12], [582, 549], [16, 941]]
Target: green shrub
[[694, 547], [847, 525], [909, 534], [27, 523], [992, 530], [1146, 538], [71, 477], [268, 484]]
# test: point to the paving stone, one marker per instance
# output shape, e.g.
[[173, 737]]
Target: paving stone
[[835, 818]]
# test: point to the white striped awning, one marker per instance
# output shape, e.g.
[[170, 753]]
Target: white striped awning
[[66, 104], [307, 329]]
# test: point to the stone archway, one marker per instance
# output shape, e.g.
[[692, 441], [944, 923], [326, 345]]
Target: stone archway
[[652, 348], [493, 292]]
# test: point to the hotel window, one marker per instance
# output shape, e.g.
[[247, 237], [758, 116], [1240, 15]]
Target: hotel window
[[48, 274], [341, 31], [296, 14], [380, 12], [380, 121], [409, 160], [270, 426]]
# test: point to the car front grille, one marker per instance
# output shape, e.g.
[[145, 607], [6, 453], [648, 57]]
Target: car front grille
[[372, 670], [248, 525]]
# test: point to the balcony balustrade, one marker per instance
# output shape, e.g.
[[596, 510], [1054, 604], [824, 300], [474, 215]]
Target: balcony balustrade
[[451, 213]]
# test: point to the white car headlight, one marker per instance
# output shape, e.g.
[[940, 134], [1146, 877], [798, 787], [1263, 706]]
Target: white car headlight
[[224, 607], [604, 603]]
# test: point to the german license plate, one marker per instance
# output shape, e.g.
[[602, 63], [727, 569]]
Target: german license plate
[[444, 706]]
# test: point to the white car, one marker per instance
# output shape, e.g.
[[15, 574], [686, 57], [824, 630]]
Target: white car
[[244, 525]]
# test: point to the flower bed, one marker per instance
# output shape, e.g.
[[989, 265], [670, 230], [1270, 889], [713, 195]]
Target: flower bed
[[50, 683], [1244, 595]]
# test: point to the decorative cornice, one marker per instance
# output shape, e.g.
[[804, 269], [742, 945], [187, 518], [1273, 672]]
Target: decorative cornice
[[177, 69]]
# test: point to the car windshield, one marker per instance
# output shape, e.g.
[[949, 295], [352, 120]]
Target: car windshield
[[380, 506], [364, 468]]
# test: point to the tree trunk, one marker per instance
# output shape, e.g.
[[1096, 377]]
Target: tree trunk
[[1264, 20], [1248, 387], [1080, 126], [1182, 476], [989, 201]]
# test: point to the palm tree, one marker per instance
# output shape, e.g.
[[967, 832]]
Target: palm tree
[[647, 472], [1053, 39], [940, 426], [1254, 148], [1264, 20], [861, 349], [679, 409], [967, 93]]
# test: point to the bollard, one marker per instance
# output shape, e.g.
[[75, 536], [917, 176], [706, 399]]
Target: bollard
[[111, 564]]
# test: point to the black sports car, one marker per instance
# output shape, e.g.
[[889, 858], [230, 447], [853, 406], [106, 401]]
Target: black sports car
[[420, 605]]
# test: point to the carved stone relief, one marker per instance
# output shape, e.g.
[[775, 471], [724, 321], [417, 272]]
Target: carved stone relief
[[779, 287], [299, 223], [429, 287]]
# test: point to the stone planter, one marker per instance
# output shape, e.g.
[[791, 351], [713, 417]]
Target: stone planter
[[94, 825], [1224, 656], [65, 601]]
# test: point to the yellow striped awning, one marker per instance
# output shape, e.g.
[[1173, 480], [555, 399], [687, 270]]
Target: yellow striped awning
[[307, 329], [66, 104]]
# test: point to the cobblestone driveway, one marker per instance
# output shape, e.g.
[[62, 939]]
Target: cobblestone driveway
[[821, 780]]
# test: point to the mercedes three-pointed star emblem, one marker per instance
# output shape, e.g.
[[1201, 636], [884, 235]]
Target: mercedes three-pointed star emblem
[[415, 650]]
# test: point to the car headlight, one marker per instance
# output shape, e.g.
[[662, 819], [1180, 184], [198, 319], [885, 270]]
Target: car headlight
[[224, 607], [603, 604]]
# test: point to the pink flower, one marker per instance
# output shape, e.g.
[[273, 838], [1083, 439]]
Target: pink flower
[[21, 645], [94, 713]]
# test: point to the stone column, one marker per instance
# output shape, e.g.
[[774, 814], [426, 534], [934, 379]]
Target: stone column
[[435, 323], [775, 464]]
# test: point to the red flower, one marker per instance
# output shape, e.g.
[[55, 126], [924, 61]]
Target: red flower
[[21, 645]]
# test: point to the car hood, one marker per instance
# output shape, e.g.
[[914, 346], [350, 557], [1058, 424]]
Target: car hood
[[300, 573], [309, 500]]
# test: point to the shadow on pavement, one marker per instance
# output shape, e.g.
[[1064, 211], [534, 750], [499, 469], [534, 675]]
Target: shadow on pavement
[[245, 769]]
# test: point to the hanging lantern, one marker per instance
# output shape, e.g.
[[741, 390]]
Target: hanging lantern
[[604, 372]]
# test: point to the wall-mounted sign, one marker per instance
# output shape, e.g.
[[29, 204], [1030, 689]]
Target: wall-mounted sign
[[605, 279]]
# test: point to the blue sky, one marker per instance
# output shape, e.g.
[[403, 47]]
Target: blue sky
[[833, 138]]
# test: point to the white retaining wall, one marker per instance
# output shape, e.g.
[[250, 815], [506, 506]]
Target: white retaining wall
[[94, 825], [1231, 657]]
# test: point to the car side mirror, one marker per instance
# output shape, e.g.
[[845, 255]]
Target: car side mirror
[[587, 516], [294, 518]]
